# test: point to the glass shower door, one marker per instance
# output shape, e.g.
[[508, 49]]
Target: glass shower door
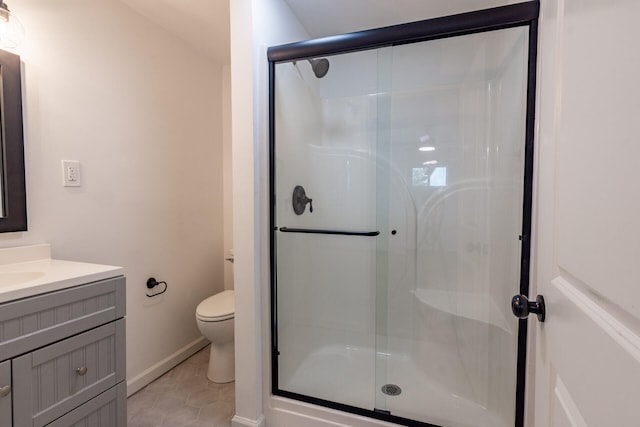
[[397, 214], [450, 192], [327, 238]]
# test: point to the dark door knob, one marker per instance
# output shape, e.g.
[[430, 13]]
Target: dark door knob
[[522, 307]]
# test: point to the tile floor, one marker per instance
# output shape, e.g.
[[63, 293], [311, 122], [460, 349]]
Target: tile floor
[[183, 397]]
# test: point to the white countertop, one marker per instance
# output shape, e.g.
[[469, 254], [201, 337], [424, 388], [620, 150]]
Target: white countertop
[[29, 270]]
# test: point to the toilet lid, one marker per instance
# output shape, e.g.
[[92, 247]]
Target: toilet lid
[[217, 307]]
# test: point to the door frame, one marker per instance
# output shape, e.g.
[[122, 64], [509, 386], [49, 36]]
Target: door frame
[[503, 17]]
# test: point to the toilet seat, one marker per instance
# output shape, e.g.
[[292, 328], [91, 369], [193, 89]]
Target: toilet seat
[[217, 308]]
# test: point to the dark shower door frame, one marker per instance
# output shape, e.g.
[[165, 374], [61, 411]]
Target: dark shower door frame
[[516, 15]]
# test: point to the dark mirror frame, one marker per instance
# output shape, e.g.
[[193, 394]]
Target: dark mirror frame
[[13, 193]]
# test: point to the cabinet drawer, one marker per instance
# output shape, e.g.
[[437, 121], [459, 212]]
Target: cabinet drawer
[[37, 321], [56, 379], [5, 399], [108, 409]]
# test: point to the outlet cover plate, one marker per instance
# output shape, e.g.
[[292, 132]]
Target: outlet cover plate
[[71, 173]]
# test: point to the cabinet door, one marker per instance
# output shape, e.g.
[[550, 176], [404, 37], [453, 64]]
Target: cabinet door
[[5, 393], [108, 409], [56, 379]]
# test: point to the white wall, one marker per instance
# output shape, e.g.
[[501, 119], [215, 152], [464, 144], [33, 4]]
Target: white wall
[[255, 24], [227, 168], [142, 111], [247, 337]]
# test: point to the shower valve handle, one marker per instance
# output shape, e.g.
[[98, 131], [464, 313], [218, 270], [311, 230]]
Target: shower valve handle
[[299, 200], [522, 307]]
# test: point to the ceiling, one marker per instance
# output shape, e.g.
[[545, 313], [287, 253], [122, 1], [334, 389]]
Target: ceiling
[[205, 23], [329, 17]]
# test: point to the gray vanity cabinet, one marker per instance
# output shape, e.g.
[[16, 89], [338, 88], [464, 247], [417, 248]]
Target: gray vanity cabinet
[[5, 393], [65, 354]]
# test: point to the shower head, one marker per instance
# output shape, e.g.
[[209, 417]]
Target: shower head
[[319, 66]]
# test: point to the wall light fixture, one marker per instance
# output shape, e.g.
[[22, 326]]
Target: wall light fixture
[[11, 30]]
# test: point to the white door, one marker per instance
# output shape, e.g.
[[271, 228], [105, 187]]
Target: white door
[[587, 220]]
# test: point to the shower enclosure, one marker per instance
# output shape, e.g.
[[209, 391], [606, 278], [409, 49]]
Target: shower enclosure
[[401, 165]]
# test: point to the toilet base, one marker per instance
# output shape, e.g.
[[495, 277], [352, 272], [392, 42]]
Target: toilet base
[[222, 363]]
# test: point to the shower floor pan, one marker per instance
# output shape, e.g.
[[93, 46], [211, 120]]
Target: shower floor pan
[[343, 374]]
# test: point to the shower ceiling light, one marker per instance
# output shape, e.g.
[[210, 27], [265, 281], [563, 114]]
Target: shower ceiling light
[[431, 162], [427, 148], [11, 30]]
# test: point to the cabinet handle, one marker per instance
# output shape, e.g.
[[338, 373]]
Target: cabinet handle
[[4, 391], [81, 371]]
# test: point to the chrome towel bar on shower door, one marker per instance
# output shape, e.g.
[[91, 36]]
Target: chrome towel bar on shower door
[[319, 231]]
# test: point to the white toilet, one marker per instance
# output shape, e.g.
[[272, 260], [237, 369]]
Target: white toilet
[[215, 316]]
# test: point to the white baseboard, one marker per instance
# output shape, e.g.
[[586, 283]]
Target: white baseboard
[[237, 421], [139, 381]]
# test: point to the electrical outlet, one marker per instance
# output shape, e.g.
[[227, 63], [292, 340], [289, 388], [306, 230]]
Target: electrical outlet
[[71, 173]]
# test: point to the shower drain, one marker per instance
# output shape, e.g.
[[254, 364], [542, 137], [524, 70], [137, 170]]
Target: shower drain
[[391, 389]]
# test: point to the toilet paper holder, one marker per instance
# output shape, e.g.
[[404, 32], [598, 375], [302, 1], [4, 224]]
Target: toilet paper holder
[[152, 283]]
